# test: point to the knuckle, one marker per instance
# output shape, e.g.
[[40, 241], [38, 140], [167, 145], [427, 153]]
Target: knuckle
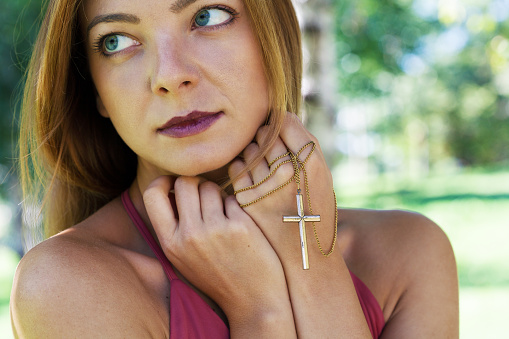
[[209, 186], [182, 182], [285, 171], [251, 150], [231, 201], [262, 133], [179, 182], [239, 232], [149, 197], [191, 239], [168, 246], [314, 139], [236, 167]]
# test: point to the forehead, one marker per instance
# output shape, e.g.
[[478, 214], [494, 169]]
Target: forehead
[[100, 6], [91, 9]]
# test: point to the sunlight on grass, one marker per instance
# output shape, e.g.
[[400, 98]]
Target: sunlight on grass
[[5, 323], [472, 209], [483, 312], [478, 231], [7, 268]]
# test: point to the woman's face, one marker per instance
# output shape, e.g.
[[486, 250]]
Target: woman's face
[[182, 81]]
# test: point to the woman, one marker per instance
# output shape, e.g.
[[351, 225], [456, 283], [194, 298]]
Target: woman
[[134, 113]]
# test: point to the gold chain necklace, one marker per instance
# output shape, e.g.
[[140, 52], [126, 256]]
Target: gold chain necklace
[[298, 166]]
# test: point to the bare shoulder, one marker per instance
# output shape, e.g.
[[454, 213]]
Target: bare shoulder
[[76, 284], [408, 262], [391, 234]]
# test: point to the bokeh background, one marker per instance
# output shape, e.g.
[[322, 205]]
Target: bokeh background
[[410, 102]]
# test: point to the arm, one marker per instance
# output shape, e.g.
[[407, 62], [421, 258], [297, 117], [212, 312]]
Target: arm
[[323, 298]]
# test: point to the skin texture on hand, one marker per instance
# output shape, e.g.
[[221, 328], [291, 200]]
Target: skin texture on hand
[[323, 298], [268, 212], [220, 250]]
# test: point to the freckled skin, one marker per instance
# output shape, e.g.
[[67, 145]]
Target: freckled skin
[[177, 69]]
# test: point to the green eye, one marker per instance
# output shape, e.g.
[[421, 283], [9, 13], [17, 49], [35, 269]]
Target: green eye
[[114, 43], [111, 43], [203, 18], [211, 17]]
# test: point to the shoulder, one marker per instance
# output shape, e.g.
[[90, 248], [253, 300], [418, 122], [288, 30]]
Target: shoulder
[[75, 284], [393, 233], [409, 263], [396, 237]]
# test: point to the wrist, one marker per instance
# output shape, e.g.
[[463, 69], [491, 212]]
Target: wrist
[[263, 322], [322, 271]]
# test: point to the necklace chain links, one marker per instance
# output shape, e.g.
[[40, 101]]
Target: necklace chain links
[[298, 166]]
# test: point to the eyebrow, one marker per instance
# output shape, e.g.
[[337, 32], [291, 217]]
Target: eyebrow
[[179, 5], [117, 17]]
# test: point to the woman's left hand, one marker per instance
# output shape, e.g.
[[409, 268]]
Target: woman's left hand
[[268, 212], [324, 301]]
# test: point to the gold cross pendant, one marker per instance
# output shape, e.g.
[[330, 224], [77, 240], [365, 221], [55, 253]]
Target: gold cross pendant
[[301, 219]]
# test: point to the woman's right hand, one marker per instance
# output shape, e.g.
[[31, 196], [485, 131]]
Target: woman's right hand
[[217, 247]]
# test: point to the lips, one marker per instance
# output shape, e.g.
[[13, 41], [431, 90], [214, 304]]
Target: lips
[[194, 123]]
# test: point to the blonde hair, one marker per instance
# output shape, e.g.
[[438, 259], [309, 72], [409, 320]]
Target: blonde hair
[[72, 161]]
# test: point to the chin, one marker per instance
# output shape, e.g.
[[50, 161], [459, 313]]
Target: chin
[[217, 172]]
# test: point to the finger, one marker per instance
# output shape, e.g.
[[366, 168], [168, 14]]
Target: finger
[[233, 210], [159, 206], [295, 136], [239, 180], [243, 181], [188, 200], [211, 201], [261, 169], [278, 149]]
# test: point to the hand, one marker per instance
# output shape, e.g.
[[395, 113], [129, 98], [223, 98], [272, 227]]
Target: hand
[[215, 244], [268, 212]]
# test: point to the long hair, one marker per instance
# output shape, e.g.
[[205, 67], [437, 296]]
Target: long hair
[[72, 161]]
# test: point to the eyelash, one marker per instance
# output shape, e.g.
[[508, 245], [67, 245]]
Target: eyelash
[[98, 44], [227, 9]]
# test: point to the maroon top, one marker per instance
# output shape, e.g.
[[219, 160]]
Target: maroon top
[[192, 317]]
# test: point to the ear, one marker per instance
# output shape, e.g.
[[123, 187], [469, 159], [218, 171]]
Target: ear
[[100, 106]]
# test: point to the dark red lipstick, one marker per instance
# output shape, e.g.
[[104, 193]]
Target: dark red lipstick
[[191, 124]]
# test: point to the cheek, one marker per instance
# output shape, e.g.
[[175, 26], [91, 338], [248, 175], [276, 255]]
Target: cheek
[[248, 81], [116, 88], [236, 63]]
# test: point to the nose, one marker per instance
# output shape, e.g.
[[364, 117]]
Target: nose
[[173, 68]]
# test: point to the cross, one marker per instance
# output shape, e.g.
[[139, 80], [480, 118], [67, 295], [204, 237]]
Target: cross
[[301, 219]]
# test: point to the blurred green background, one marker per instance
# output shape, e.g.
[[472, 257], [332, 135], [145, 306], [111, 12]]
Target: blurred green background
[[410, 101]]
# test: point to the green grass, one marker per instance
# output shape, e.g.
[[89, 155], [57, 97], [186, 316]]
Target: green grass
[[8, 263], [483, 312], [473, 209], [5, 322]]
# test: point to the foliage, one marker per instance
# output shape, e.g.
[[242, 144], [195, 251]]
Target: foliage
[[440, 65], [431, 73], [17, 33]]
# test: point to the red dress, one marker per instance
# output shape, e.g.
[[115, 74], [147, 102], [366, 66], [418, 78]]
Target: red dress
[[192, 317]]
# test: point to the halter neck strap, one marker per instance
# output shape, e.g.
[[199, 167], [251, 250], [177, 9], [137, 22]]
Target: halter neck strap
[[142, 228]]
